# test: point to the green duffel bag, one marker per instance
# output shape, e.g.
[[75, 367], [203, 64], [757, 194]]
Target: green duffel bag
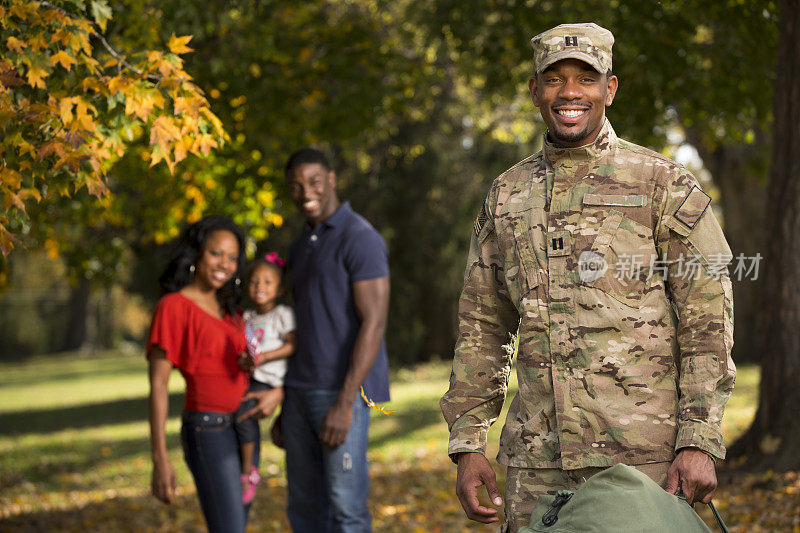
[[618, 499]]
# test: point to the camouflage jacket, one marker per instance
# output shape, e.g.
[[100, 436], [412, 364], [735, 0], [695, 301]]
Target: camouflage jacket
[[610, 264]]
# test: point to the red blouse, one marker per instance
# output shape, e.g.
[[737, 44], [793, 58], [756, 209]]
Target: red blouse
[[204, 348]]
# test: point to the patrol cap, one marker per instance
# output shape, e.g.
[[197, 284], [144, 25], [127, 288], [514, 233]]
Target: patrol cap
[[588, 42]]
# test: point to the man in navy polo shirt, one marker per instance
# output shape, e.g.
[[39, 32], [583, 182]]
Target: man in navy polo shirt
[[340, 283]]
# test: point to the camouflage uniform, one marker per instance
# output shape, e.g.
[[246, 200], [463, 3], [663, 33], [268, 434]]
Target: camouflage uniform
[[615, 364]]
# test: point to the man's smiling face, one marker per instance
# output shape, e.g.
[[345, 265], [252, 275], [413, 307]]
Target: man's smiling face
[[572, 98]]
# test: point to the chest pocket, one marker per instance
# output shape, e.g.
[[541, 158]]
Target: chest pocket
[[616, 254], [521, 232]]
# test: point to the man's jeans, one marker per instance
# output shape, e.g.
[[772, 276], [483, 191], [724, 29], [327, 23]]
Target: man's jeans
[[212, 454], [328, 488]]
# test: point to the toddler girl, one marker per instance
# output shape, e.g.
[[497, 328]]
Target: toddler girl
[[271, 339]]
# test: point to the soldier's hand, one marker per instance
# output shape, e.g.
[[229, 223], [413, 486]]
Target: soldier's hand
[[692, 470], [474, 470]]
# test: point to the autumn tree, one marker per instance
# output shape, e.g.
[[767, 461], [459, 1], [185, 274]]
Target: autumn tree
[[71, 105]]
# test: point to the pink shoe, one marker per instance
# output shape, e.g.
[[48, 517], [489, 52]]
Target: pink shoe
[[252, 480]]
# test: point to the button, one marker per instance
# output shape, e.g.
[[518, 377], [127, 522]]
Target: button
[[314, 238]]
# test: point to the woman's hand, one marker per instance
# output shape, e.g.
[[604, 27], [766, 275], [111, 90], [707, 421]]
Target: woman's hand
[[164, 483]]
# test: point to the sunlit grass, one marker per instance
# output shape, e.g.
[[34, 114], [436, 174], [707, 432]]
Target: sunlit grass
[[74, 450]]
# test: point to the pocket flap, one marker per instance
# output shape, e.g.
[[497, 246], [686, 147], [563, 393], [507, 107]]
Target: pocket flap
[[681, 229], [636, 200]]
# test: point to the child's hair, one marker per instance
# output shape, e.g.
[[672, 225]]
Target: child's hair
[[271, 260], [188, 248]]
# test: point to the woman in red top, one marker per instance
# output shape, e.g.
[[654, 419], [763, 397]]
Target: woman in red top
[[196, 328]]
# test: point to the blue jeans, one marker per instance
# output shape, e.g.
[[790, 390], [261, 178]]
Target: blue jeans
[[211, 451], [328, 488]]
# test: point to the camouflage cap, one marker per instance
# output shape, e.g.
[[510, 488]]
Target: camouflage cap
[[587, 42]]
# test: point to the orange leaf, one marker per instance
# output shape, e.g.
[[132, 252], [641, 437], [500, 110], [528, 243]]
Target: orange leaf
[[36, 76], [163, 131], [62, 58], [15, 44], [177, 45], [10, 178]]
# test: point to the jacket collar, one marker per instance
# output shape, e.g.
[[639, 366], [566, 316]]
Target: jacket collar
[[604, 144]]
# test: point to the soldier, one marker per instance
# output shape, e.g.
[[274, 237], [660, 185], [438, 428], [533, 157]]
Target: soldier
[[606, 260]]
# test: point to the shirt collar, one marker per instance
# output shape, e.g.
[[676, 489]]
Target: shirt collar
[[338, 217], [604, 144]]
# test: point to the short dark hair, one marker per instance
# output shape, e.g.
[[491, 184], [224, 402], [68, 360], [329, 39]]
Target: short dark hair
[[188, 248], [305, 156]]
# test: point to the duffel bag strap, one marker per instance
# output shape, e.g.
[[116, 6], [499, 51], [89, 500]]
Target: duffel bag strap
[[718, 517]]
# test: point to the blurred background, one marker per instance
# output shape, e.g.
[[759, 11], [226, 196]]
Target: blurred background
[[420, 105]]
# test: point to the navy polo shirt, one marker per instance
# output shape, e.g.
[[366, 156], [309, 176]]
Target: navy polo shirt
[[325, 261]]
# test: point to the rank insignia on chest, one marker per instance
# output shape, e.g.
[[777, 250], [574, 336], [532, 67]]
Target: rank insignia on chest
[[559, 243]]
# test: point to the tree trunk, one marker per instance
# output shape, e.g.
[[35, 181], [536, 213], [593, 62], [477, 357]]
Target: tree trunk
[[78, 309], [772, 439]]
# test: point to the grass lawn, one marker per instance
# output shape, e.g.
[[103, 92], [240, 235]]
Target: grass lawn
[[74, 451]]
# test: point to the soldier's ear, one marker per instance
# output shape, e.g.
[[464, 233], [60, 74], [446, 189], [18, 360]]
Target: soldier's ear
[[532, 89], [613, 83]]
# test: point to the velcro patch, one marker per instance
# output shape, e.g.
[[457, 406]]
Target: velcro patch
[[559, 243], [693, 207], [637, 200], [480, 221]]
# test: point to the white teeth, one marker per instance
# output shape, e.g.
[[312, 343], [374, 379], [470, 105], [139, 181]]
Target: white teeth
[[310, 204], [571, 112]]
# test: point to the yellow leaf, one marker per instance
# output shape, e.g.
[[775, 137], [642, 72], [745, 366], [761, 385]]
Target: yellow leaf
[[15, 44], [30, 193], [36, 76], [163, 131], [13, 199], [10, 178], [154, 56], [177, 45], [205, 143], [182, 147], [117, 83], [62, 58], [65, 109], [165, 68], [37, 41]]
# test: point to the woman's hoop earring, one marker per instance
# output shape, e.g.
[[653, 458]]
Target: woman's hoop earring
[[191, 269], [238, 281]]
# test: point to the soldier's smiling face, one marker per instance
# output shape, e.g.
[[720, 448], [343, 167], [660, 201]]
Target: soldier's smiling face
[[572, 98]]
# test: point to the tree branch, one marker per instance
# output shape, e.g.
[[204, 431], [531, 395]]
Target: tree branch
[[116, 55]]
